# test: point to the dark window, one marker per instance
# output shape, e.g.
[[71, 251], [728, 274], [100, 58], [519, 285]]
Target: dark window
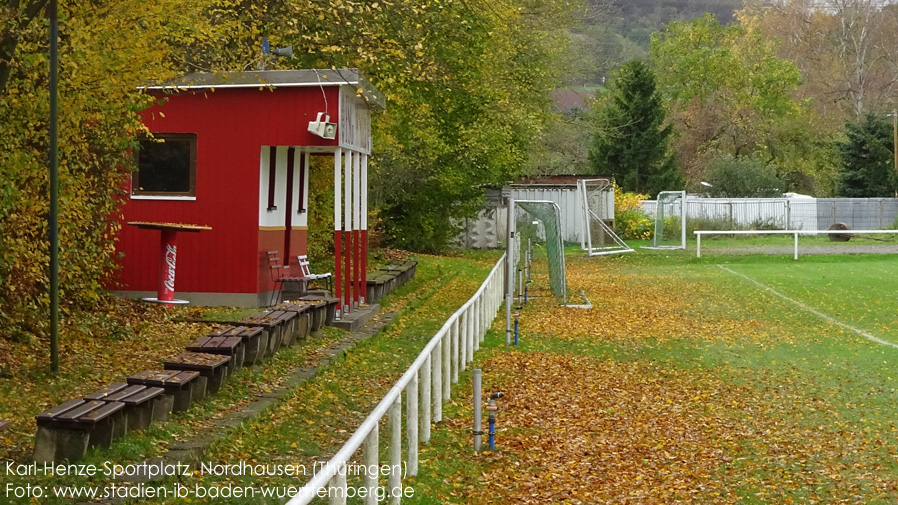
[[166, 166]]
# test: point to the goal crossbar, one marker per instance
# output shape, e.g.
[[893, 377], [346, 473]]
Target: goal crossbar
[[796, 233]]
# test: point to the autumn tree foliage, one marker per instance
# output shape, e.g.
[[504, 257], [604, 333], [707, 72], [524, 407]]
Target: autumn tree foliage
[[632, 136], [467, 84], [730, 94], [107, 49]]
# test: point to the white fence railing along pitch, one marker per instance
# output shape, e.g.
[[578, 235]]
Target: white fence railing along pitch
[[435, 370]]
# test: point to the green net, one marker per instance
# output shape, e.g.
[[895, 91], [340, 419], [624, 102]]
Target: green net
[[538, 226]]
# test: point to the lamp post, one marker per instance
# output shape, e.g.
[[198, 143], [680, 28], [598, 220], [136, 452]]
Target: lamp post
[[894, 116], [54, 187]]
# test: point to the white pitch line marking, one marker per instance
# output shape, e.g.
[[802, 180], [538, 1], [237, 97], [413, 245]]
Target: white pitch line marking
[[812, 310]]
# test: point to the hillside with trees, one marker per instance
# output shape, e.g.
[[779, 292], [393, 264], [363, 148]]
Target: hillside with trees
[[777, 82]]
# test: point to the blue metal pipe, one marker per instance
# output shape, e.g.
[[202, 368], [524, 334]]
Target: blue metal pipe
[[515, 331], [492, 437]]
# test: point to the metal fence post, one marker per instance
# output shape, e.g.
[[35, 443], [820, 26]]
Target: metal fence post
[[337, 488], [463, 342], [454, 351], [395, 479], [370, 450], [411, 429], [436, 362], [478, 323], [426, 408], [447, 365], [478, 423]]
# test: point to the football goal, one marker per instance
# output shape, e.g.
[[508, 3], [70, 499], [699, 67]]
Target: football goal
[[537, 228], [670, 221], [597, 209]]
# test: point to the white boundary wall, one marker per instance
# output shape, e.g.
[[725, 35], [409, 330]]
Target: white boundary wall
[[808, 214], [488, 230]]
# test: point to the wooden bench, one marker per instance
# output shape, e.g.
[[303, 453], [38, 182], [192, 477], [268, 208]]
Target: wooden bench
[[66, 431], [143, 405], [290, 321], [273, 327], [405, 270], [214, 367], [255, 340], [377, 285], [184, 387], [224, 345], [305, 316], [330, 309]]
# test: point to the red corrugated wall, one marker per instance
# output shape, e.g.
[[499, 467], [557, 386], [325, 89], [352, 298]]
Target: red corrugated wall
[[231, 125]]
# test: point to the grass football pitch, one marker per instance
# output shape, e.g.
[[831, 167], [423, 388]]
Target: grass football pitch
[[731, 379]]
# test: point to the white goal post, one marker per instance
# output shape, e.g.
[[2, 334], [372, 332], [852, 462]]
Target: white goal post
[[596, 237], [669, 203]]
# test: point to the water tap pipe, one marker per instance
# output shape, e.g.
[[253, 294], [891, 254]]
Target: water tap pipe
[[517, 316], [493, 407]]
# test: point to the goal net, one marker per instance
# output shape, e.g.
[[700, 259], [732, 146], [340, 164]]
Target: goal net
[[537, 234], [670, 221], [597, 210]]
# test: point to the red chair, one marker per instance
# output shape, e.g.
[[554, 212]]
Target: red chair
[[276, 269]]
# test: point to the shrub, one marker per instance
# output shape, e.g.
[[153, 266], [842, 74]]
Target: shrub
[[629, 220]]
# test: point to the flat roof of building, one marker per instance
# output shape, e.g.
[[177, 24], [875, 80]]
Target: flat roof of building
[[278, 79]]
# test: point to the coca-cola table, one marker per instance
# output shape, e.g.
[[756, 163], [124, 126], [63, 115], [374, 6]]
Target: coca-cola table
[[168, 257]]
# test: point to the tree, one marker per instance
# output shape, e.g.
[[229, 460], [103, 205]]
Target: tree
[[108, 48], [729, 93], [867, 157], [842, 47], [632, 138], [743, 177]]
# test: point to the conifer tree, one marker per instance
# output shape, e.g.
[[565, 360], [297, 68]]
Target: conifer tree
[[867, 169], [632, 138]]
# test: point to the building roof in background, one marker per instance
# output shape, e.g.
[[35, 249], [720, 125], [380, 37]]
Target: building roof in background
[[567, 99], [555, 180]]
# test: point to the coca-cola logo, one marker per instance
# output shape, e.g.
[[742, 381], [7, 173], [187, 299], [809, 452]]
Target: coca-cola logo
[[171, 257]]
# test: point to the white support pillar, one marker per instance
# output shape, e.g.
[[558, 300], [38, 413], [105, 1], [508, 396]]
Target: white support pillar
[[364, 234], [347, 233], [338, 232], [356, 229], [307, 163]]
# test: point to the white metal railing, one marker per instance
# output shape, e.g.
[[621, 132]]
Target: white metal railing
[[435, 370]]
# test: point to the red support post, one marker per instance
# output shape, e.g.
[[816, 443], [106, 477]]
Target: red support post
[[347, 279]]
